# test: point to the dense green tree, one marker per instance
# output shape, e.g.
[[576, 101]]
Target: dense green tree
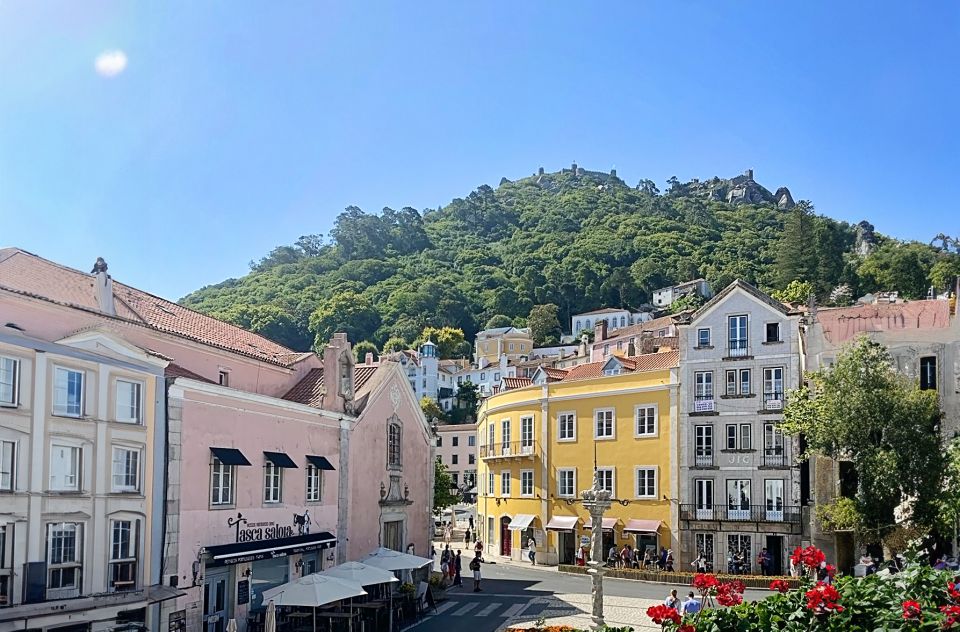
[[468, 398], [544, 324], [346, 312], [431, 410], [796, 250], [394, 344], [796, 292], [901, 267], [498, 320], [863, 411], [362, 348], [444, 494], [449, 340], [943, 274]]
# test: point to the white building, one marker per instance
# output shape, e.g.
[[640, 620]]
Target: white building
[[81, 481], [429, 376], [740, 488], [457, 449], [486, 377], [615, 319], [665, 296]]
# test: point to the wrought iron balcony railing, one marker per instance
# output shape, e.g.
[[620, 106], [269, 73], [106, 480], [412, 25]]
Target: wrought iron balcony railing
[[510, 449], [741, 513]]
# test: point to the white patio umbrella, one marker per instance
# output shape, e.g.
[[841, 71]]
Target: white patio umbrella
[[232, 625], [312, 591], [390, 560], [270, 618], [365, 575]]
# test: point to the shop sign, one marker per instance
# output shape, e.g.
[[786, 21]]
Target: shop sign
[[585, 540], [243, 592], [253, 531]]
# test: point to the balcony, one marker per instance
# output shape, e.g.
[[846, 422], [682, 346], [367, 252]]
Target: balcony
[[512, 449], [737, 349], [703, 458], [773, 401], [775, 457], [741, 513]]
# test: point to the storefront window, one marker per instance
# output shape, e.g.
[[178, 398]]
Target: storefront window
[[267, 574]]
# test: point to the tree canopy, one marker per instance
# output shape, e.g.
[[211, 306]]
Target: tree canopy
[[571, 240]]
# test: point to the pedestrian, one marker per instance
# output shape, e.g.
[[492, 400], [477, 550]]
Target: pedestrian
[[532, 551], [475, 567], [662, 560], [673, 601], [446, 533], [444, 570], [690, 606], [471, 522], [764, 560], [581, 556], [669, 561], [647, 558], [613, 557], [457, 581], [466, 537], [478, 549], [433, 553]]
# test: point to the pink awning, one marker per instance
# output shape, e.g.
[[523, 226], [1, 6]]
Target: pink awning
[[641, 526], [609, 524], [562, 523]]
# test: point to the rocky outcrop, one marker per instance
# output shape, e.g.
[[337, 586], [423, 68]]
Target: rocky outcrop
[[742, 189], [866, 239]]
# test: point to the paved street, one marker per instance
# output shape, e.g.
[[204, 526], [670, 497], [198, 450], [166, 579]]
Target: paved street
[[521, 594]]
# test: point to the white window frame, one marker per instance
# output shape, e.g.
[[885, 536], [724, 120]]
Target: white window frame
[[491, 484], [116, 555], [472, 441], [703, 385], [121, 474], [75, 475], [649, 470], [272, 483], [63, 409], [505, 431], [218, 471], [8, 468], [773, 508], [705, 497], [10, 367], [137, 394], [571, 417], [561, 475], [314, 484], [654, 417], [604, 473], [505, 477], [74, 562], [613, 424], [735, 509], [700, 342], [526, 433], [779, 332], [770, 381], [526, 483]]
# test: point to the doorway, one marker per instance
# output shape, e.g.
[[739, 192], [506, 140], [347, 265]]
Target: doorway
[[215, 600], [775, 549], [506, 536], [567, 546]]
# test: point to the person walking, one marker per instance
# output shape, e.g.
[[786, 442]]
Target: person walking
[[471, 522], [581, 556], [668, 563], [647, 559], [700, 564], [690, 606], [446, 533], [613, 557], [475, 567], [466, 537], [765, 560], [478, 549], [457, 567], [626, 556], [662, 560], [532, 551], [673, 601]]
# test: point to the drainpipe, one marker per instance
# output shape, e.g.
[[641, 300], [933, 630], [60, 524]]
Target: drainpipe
[[343, 491]]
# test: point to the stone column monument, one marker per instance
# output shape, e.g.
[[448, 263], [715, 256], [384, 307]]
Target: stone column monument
[[596, 501]]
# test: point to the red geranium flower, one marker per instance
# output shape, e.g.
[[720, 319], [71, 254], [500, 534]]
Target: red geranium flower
[[704, 582], [730, 593], [687, 627], [952, 614], [823, 598], [911, 611], [780, 585], [811, 557], [663, 613], [954, 591]]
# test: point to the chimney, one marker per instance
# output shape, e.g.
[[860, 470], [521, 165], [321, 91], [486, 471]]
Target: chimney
[[631, 349], [368, 359], [338, 375], [600, 331], [104, 287]]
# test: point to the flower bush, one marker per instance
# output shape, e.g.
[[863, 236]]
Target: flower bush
[[917, 598]]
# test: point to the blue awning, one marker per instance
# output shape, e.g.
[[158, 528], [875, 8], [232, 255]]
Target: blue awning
[[280, 459], [320, 462], [230, 456]]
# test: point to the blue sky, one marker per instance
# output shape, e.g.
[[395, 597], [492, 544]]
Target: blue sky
[[238, 126]]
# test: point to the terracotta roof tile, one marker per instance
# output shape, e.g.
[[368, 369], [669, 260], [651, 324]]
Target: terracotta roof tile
[[555, 374], [175, 370], [25, 273], [510, 383], [309, 390], [842, 324], [635, 364]]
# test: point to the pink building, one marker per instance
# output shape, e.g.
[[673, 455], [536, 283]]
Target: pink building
[[271, 472]]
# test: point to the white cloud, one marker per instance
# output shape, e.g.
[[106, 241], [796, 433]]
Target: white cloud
[[110, 63]]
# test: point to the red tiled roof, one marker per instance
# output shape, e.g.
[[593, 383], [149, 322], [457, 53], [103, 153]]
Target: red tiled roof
[[842, 324], [175, 370], [555, 374], [605, 310], [309, 390], [510, 383], [635, 364], [632, 330], [25, 273]]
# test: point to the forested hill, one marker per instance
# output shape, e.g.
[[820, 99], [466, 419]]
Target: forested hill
[[577, 239]]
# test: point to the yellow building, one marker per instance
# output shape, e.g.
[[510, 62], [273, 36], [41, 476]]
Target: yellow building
[[491, 344], [537, 446]]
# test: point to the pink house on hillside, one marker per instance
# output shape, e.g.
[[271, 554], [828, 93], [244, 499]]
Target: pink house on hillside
[[272, 471]]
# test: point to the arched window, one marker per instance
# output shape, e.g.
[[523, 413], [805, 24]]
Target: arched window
[[577, 327], [623, 321], [394, 461], [587, 324]]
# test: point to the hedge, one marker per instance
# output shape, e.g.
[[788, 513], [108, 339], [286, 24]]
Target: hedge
[[679, 578]]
